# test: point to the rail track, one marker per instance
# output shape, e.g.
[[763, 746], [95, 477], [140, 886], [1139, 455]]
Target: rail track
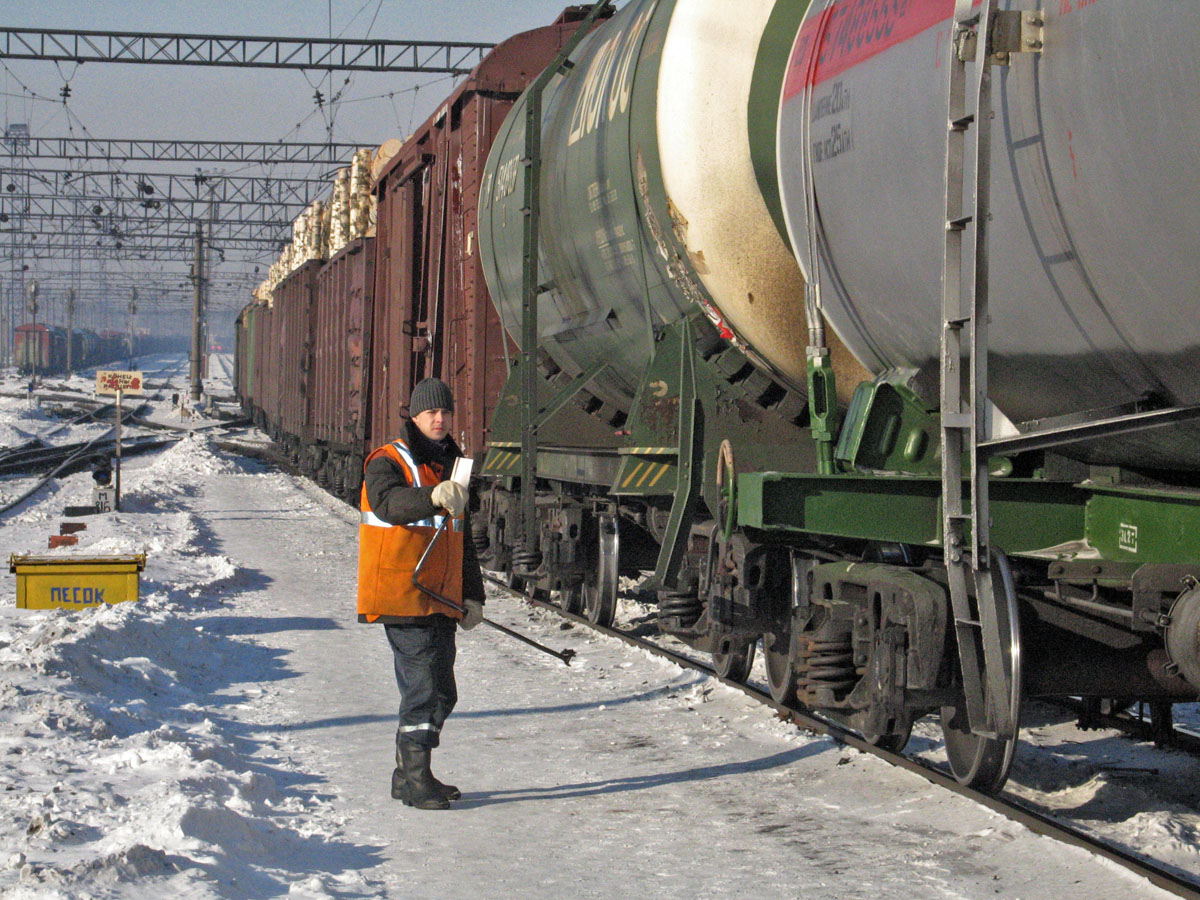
[[37, 457], [1009, 807]]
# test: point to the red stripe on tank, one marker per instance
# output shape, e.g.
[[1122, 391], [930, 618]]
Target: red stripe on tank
[[852, 31]]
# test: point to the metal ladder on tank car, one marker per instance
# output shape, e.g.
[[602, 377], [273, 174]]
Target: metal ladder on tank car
[[986, 629]]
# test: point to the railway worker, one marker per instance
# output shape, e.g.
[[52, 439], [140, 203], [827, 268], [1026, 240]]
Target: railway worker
[[405, 491]]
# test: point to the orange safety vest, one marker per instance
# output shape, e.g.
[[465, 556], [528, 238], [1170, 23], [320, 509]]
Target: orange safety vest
[[388, 554]]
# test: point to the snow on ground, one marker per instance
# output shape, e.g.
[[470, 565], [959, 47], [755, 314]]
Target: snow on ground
[[230, 735]]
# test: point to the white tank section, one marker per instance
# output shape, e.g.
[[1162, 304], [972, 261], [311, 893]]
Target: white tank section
[[718, 212], [1095, 230]]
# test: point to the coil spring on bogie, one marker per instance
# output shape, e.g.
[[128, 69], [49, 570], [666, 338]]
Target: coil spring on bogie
[[479, 537], [826, 666], [526, 562], [683, 606]]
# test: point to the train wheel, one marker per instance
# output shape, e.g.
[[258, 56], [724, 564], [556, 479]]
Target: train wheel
[[571, 599], [779, 659], [525, 585], [599, 602], [600, 590], [735, 663], [896, 739], [977, 761]]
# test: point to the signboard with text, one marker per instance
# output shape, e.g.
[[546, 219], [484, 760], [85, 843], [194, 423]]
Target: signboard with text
[[109, 382]]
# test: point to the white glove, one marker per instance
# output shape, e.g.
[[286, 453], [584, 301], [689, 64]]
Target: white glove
[[473, 616], [451, 496]]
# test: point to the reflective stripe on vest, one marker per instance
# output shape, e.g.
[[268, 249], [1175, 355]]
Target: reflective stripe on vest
[[389, 554], [414, 476]]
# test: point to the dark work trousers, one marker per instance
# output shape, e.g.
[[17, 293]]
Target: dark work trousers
[[424, 658]]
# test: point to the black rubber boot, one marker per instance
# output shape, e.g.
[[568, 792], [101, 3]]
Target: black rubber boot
[[419, 789], [449, 791]]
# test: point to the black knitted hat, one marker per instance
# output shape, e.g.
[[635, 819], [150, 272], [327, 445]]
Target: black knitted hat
[[432, 393]]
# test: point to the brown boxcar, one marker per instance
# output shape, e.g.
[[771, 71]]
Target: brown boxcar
[[345, 287], [265, 379], [243, 356], [293, 321], [433, 314]]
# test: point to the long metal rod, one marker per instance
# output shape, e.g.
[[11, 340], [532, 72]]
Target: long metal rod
[[564, 655]]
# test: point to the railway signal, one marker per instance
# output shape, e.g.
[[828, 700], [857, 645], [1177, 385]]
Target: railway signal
[[118, 383]]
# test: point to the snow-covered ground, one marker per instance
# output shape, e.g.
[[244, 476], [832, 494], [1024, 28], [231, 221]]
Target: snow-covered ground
[[230, 735]]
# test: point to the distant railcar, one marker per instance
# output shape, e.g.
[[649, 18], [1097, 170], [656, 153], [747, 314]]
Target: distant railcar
[[39, 349]]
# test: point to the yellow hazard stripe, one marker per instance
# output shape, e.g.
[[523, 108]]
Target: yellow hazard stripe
[[631, 475], [649, 469], [661, 473]]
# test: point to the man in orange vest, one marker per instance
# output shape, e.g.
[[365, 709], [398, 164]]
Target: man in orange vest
[[405, 494]]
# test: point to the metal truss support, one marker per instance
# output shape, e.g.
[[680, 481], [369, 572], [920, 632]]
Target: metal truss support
[[139, 150], [136, 247], [147, 186], [342, 54]]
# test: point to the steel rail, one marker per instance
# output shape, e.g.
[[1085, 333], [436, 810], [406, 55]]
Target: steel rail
[[1010, 808]]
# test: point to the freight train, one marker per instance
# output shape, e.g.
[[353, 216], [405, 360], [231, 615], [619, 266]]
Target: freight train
[[863, 327], [42, 349]]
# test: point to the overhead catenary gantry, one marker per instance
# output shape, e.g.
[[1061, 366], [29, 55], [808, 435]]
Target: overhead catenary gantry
[[199, 187], [148, 149], [140, 217], [133, 247], [42, 213], [342, 54], [266, 235], [73, 215], [47, 213]]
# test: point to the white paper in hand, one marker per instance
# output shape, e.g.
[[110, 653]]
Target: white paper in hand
[[461, 473]]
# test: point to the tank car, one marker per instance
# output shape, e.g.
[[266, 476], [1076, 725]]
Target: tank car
[[865, 327]]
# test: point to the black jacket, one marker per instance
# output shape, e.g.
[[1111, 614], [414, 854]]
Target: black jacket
[[395, 501]]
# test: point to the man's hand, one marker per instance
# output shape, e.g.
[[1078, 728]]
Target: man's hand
[[473, 616], [451, 496]]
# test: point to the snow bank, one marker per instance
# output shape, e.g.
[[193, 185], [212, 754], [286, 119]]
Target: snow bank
[[122, 773]]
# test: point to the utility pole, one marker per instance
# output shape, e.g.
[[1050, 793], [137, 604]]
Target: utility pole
[[197, 313], [31, 304], [132, 313], [70, 330]]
